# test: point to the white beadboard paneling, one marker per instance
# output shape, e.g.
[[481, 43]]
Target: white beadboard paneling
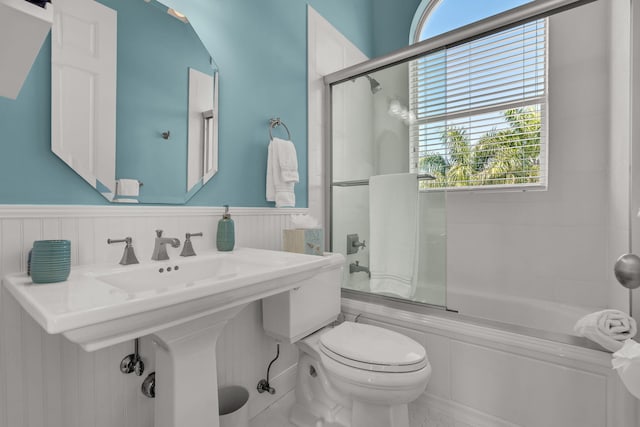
[[12, 343], [52, 359], [85, 246], [69, 385], [50, 228], [69, 231], [32, 371], [46, 381], [86, 387]]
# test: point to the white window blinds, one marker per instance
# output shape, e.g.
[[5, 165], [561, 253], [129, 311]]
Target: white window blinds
[[479, 111]]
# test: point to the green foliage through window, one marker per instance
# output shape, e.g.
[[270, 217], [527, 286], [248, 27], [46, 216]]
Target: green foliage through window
[[510, 155]]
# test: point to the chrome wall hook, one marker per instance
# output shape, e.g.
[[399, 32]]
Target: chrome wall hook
[[166, 134]]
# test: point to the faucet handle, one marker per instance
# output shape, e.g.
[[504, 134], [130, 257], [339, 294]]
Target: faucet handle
[[158, 233], [126, 240], [129, 256], [187, 248]]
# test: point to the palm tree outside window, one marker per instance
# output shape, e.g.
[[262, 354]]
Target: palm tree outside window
[[479, 108]]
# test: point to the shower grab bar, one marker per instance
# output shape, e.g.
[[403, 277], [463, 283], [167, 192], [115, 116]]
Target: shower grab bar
[[274, 123], [355, 183]]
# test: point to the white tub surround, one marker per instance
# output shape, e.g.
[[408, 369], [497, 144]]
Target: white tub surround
[[489, 377]]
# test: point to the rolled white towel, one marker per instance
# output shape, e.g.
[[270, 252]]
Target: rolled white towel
[[626, 362], [609, 328]]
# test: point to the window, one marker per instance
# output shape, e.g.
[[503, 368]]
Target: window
[[479, 110]]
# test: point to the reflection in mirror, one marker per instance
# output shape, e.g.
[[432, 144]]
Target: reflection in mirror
[[83, 91], [165, 119], [203, 135]]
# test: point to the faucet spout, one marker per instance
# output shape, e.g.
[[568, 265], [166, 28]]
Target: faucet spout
[[355, 267], [160, 248]]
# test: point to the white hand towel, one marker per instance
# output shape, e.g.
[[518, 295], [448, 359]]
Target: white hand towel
[[287, 159], [609, 328], [279, 189], [393, 221], [128, 187]]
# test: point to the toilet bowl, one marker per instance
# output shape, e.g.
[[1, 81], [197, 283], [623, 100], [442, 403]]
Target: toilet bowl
[[351, 375], [358, 375]]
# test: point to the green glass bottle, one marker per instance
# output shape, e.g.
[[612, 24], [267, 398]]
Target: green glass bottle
[[226, 236]]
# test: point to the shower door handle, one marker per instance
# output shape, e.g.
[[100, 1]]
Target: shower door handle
[[627, 271]]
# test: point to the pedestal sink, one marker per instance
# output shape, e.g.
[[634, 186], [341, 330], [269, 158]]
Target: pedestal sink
[[183, 303]]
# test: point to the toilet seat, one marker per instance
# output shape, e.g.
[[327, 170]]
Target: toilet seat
[[371, 348]]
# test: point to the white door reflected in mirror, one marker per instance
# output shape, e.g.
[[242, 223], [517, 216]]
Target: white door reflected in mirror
[[83, 91]]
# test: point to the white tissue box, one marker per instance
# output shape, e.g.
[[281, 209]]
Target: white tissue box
[[308, 241]]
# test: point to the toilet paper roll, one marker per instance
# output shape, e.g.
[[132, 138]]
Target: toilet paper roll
[[128, 187]]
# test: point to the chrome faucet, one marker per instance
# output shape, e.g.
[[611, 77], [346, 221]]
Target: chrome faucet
[[187, 248], [129, 256], [355, 267], [160, 249]]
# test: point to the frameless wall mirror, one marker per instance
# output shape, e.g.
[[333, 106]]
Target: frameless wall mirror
[[134, 100]]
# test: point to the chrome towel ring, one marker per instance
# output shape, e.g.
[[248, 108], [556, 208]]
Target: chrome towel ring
[[274, 123]]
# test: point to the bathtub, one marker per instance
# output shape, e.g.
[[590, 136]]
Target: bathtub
[[492, 373], [527, 312], [556, 318]]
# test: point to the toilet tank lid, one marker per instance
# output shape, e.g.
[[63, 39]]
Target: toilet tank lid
[[373, 345]]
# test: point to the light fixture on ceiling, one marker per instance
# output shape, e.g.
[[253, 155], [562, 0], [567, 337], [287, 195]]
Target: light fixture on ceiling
[[177, 15]]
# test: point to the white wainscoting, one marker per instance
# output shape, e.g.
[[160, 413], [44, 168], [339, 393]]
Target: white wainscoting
[[47, 381]]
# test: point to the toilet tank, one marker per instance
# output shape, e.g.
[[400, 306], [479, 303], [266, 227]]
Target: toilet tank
[[292, 315]]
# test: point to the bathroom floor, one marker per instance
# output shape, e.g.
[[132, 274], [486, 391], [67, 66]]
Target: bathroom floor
[[277, 415]]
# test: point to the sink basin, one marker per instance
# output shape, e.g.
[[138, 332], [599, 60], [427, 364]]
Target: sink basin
[[182, 303], [172, 276], [101, 305]]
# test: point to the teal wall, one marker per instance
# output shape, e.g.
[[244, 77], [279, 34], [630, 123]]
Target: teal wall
[[392, 22], [261, 49]]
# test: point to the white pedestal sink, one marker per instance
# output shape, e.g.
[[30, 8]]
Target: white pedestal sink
[[183, 308]]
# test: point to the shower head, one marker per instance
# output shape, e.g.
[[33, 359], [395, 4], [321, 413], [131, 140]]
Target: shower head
[[375, 85]]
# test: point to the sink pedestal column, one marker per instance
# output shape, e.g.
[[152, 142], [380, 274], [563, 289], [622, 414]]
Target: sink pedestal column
[[186, 375]]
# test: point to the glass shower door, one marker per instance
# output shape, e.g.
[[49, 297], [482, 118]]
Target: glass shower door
[[370, 137]]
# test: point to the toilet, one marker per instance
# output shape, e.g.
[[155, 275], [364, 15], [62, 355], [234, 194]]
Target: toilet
[[350, 375]]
